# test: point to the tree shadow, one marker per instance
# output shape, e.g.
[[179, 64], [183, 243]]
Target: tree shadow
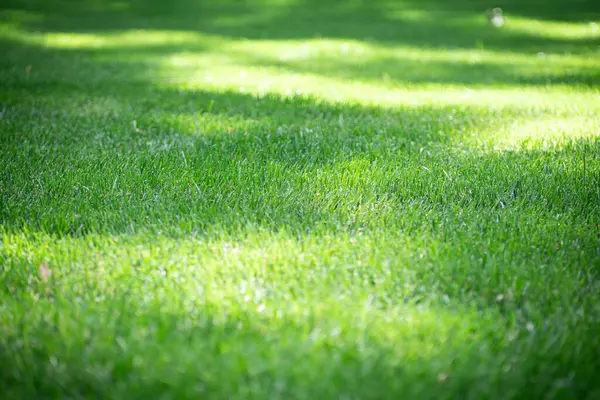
[[195, 161], [131, 61], [223, 137], [430, 24], [306, 138], [552, 10]]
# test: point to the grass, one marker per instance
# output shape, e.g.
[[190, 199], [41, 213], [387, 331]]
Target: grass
[[299, 199]]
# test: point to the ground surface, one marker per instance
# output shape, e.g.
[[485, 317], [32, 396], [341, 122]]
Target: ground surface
[[299, 199]]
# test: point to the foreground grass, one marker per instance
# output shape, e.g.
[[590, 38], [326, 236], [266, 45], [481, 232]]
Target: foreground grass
[[204, 200]]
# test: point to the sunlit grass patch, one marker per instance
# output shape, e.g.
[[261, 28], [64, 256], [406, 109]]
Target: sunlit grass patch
[[584, 30]]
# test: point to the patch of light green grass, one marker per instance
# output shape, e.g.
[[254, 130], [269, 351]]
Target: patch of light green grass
[[585, 30]]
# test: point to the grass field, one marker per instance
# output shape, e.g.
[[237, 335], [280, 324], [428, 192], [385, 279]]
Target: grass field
[[299, 199]]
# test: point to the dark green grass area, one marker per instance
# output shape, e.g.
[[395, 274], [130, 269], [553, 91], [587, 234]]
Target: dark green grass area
[[299, 199], [431, 23]]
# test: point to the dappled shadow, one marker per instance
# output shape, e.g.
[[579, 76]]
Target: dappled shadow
[[305, 138], [97, 145], [431, 24], [134, 62], [428, 26], [221, 172], [552, 10], [201, 162]]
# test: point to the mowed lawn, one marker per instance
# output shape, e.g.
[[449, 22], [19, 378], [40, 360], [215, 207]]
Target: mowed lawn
[[312, 199]]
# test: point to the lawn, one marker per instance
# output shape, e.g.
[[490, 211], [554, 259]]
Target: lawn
[[299, 199]]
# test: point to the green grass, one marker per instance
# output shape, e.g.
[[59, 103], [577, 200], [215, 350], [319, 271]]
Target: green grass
[[299, 199]]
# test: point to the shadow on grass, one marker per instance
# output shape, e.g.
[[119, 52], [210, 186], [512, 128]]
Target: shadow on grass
[[198, 161], [131, 62], [232, 159], [433, 24], [551, 10]]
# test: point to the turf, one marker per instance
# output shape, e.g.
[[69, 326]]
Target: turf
[[299, 199]]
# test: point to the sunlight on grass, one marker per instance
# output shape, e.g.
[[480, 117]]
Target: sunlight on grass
[[264, 274], [302, 199], [587, 30], [552, 132], [117, 40], [307, 68]]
